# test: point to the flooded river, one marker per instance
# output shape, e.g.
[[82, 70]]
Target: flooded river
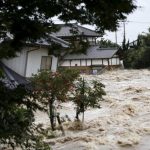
[[122, 122]]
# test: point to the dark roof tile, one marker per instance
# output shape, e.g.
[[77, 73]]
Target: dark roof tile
[[93, 52], [66, 28]]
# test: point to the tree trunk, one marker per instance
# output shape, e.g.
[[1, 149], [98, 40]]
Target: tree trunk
[[83, 114], [51, 113], [77, 113], [59, 122]]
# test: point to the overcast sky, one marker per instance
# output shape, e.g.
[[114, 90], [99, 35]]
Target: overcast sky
[[137, 23]]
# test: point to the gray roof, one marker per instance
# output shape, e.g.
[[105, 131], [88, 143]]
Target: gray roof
[[51, 38], [93, 52], [60, 41], [45, 41], [11, 78], [66, 28]]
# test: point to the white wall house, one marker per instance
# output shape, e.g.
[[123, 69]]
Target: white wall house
[[95, 56], [32, 59]]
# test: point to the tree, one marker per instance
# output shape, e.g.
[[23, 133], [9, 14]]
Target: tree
[[107, 43], [87, 95], [26, 20], [50, 87], [16, 119], [138, 55]]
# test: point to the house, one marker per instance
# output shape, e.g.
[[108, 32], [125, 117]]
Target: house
[[34, 57], [95, 57], [67, 31]]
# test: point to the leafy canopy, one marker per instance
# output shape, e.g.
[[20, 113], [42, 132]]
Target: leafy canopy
[[49, 87], [87, 94], [17, 128], [107, 43], [138, 56], [30, 20]]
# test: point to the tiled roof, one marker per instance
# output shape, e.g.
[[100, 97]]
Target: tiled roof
[[47, 42], [11, 78], [93, 52], [66, 28]]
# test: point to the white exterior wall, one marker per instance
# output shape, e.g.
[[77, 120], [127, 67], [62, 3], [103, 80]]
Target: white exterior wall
[[112, 61], [97, 62], [75, 62], [115, 61], [83, 62], [54, 63], [34, 61], [105, 62], [17, 64], [28, 61], [65, 63], [118, 61], [88, 62]]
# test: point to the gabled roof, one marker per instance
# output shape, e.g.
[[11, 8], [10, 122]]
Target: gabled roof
[[93, 52], [66, 28]]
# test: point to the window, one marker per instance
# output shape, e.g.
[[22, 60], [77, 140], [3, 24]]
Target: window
[[46, 62]]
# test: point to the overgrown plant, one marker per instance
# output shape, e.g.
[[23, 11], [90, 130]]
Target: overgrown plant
[[49, 87], [87, 94], [17, 128]]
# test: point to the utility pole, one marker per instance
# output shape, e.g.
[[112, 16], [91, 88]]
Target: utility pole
[[124, 28], [116, 37]]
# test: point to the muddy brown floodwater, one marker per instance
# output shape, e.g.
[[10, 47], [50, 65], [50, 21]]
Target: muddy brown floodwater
[[123, 122]]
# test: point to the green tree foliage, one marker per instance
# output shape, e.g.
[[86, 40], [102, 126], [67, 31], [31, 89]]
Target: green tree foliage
[[107, 43], [124, 48], [87, 95], [50, 87], [138, 56], [26, 20], [16, 119], [77, 44]]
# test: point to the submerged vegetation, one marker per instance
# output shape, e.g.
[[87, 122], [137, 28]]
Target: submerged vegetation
[[48, 88], [87, 94], [64, 86]]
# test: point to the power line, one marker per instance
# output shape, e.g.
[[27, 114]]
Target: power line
[[129, 21]]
